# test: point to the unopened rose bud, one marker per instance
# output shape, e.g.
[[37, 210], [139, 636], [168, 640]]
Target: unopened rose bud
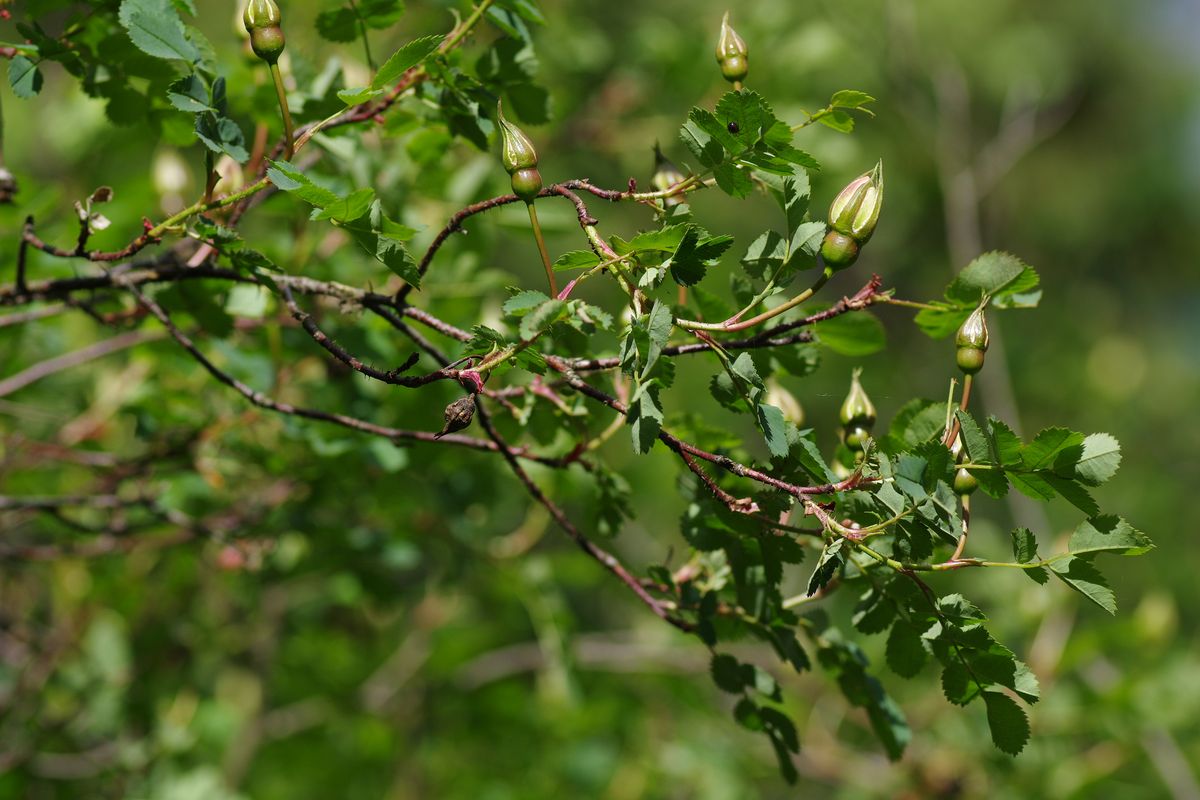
[[857, 415], [262, 20], [964, 482], [732, 54], [853, 215], [519, 158], [972, 342]]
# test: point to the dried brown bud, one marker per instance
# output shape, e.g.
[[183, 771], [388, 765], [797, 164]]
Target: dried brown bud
[[458, 415]]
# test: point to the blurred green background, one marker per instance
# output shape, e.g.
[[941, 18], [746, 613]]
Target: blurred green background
[[380, 622]]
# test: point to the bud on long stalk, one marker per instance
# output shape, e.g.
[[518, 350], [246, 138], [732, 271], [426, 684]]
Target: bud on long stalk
[[262, 20], [520, 160], [853, 215]]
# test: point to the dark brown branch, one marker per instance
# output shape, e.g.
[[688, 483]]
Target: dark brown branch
[[609, 561], [679, 446], [263, 401]]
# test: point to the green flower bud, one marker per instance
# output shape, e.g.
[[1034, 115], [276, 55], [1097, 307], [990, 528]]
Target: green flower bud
[[732, 54], [666, 175], [838, 251], [964, 482], [517, 151], [857, 409], [855, 211], [972, 342], [262, 19]]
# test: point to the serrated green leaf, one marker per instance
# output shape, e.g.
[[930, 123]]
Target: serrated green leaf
[[290, 179], [850, 98], [806, 241], [1053, 448], [347, 209], [726, 673], [873, 613], [1109, 534], [905, 653], [1024, 544], [541, 318], [827, 565], [1033, 485], [382, 239], [1007, 721], [24, 77], [362, 94], [764, 255], [337, 25], [190, 93], [694, 254], [645, 419], [957, 685], [1072, 492], [839, 121], [1082, 576], [773, 427], [988, 274], [809, 456], [746, 714], [221, 135], [734, 180], [576, 259], [523, 302], [658, 328], [1099, 460], [978, 448], [404, 59], [155, 28], [706, 138], [251, 261], [1006, 445]]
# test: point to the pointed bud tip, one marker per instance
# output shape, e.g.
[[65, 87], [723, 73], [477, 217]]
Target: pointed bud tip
[[261, 14], [855, 210], [732, 54], [516, 151]]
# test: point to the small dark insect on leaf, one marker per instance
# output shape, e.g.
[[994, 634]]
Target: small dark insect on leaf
[[734, 127]]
